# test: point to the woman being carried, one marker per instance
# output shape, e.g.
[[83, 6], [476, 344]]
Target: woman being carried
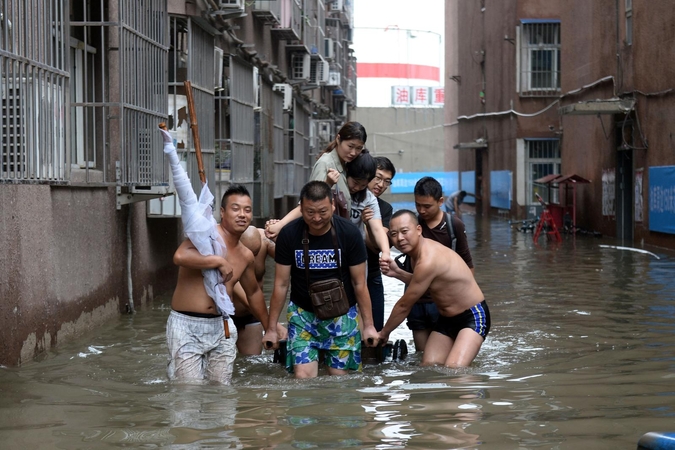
[[365, 211], [348, 144]]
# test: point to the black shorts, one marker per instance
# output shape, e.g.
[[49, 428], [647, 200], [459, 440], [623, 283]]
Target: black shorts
[[477, 318], [423, 316], [241, 321]]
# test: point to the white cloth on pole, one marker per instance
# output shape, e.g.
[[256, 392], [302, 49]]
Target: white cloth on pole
[[199, 226]]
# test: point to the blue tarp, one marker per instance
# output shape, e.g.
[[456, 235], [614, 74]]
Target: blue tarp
[[404, 183], [662, 199], [500, 189], [469, 185]]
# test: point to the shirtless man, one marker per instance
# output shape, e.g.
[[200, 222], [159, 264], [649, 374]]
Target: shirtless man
[[464, 316], [248, 326], [441, 227], [201, 342]]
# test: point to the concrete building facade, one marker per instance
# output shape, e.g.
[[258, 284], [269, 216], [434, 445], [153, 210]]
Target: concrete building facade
[[412, 138], [88, 223], [537, 88]]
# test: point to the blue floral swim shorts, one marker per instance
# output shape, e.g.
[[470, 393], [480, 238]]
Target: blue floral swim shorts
[[339, 338]]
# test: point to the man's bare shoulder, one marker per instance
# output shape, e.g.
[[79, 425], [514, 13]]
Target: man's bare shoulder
[[241, 253], [435, 254]]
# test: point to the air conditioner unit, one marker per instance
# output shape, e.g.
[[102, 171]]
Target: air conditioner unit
[[333, 78], [218, 69], [287, 91], [300, 66], [322, 71], [230, 4], [337, 5], [328, 48], [324, 130], [319, 73]]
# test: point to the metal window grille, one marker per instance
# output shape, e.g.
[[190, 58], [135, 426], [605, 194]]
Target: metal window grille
[[86, 133], [540, 59], [543, 158], [268, 11], [314, 15], [300, 66], [118, 91], [300, 147], [230, 3], [266, 135], [242, 123], [282, 175], [33, 91], [191, 58], [223, 155], [141, 102]]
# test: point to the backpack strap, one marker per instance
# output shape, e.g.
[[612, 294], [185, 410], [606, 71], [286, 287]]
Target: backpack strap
[[451, 231], [449, 226]]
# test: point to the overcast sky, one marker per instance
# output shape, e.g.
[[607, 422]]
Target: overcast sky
[[423, 15]]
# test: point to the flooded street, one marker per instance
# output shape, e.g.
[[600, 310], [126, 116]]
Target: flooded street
[[581, 355]]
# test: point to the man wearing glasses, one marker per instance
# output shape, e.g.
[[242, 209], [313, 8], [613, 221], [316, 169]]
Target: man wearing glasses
[[378, 185]]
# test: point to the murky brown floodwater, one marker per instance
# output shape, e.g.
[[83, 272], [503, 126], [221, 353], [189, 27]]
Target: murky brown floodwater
[[581, 355]]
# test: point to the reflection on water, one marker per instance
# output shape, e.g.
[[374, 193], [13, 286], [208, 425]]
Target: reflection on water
[[581, 354]]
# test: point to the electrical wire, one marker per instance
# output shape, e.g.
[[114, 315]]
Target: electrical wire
[[514, 112], [393, 133]]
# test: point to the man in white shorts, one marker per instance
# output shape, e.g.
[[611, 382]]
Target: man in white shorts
[[202, 342]]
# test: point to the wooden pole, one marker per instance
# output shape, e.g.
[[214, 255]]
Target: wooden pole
[[195, 130]]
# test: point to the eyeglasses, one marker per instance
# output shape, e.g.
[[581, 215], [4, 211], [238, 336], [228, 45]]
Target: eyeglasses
[[379, 180]]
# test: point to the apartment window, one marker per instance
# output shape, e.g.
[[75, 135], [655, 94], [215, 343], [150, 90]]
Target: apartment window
[[82, 121], [543, 158], [539, 62], [300, 66], [629, 22], [117, 60], [33, 93]]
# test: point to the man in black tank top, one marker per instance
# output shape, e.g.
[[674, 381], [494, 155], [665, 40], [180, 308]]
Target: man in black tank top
[[443, 228]]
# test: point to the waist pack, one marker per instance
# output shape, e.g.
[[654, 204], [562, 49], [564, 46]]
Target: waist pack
[[328, 297]]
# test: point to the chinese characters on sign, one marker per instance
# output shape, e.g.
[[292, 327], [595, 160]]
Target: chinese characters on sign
[[400, 95], [417, 96]]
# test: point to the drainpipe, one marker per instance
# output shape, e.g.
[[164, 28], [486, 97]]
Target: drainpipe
[[130, 286]]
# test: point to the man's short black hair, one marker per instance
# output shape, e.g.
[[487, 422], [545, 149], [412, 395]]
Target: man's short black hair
[[384, 163], [429, 187], [235, 189], [315, 191], [402, 212]]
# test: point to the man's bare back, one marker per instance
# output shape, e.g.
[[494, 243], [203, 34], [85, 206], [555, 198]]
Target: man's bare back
[[452, 287]]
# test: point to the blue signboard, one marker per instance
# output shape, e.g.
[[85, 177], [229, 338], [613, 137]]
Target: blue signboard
[[469, 185], [500, 189], [404, 183], [662, 199]]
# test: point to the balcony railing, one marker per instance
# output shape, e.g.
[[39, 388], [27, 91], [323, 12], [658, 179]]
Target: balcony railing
[[290, 26], [268, 11]]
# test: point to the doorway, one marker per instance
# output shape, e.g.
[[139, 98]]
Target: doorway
[[624, 181]]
